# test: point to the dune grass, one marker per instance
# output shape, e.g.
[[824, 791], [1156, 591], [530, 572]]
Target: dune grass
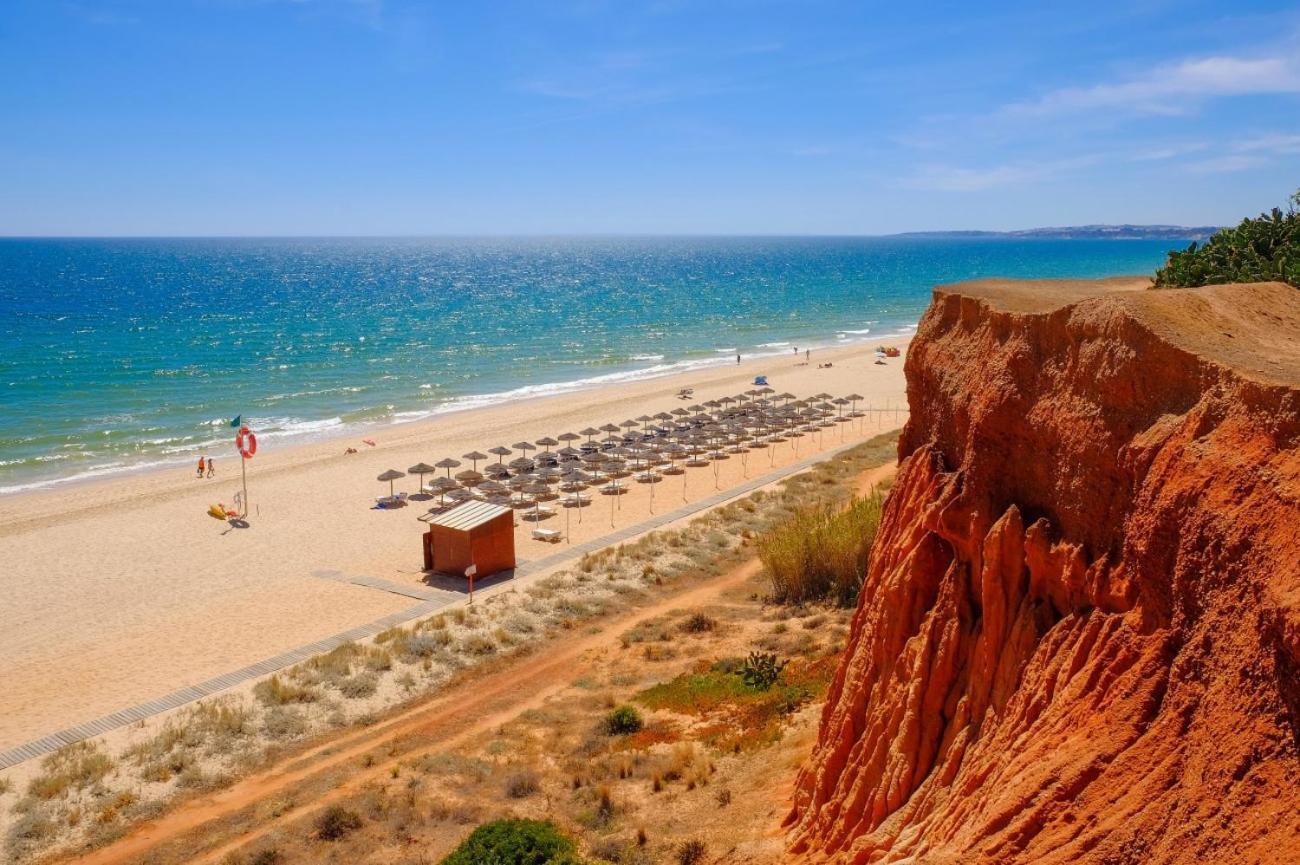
[[821, 553], [72, 767]]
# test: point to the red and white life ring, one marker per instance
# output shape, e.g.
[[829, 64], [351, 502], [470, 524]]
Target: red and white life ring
[[246, 443]]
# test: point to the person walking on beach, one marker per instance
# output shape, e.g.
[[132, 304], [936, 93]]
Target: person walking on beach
[[212, 467], [807, 354], [202, 465], [737, 360]]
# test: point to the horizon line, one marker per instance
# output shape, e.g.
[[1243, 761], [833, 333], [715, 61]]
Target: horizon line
[[1172, 229]]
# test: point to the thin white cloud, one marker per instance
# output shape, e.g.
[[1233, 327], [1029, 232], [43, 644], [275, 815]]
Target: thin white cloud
[[952, 178], [1172, 89], [1226, 164], [1280, 143], [1167, 152]]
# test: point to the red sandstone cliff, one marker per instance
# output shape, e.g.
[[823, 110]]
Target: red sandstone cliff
[[1079, 639]]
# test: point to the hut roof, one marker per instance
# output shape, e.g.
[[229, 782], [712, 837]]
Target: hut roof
[[469, 515]]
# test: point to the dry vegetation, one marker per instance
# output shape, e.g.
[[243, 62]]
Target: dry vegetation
[[820, 553], [679, 675]]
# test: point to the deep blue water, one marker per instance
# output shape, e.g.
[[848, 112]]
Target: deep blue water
[[115, 354]]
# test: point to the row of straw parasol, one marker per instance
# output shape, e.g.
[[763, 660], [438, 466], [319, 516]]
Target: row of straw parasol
[[696, 435]]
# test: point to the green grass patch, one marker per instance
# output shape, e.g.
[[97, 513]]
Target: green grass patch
[[515, 842], [738, 716]]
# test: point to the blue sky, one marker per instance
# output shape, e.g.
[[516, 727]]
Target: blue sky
[[802, 117]]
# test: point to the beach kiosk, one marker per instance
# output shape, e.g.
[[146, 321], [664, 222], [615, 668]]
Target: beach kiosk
[[473, 533]]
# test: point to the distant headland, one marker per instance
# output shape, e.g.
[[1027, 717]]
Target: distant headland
[[1099, 232]]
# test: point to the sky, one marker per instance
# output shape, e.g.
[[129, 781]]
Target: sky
[[390, 117]]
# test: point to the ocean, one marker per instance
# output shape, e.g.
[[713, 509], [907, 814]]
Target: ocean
[[117, 355]]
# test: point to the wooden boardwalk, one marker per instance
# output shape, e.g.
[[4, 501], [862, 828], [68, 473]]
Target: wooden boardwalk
[[431, 599]]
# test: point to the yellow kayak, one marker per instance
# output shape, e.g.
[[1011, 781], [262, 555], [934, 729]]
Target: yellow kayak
[[217, 512]]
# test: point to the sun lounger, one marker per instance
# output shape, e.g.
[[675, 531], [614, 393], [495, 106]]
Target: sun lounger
[[550, 535]]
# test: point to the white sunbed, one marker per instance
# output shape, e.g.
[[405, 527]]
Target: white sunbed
[[549, 535]]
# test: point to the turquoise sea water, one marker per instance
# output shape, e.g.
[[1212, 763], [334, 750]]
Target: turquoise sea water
[[121, 354]]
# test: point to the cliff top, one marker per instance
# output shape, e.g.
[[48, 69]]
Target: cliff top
[[1252, 328]]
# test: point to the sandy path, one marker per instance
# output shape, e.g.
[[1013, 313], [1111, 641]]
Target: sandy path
[[118, 592], [460, 712]]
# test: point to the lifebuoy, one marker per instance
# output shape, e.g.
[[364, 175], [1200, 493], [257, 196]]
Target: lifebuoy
[[246, 443]]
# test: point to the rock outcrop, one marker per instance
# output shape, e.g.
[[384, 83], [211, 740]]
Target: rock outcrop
[[1079, 638]]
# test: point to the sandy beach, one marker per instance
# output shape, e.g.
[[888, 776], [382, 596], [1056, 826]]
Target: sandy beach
[[119, 591]]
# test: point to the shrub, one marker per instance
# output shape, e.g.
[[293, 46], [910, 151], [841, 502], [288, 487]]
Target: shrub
[[515, 842], [1263, 249], [698, 623], [821, 553], [337, 821], [280, 692], [359, 686], [761, 670], [420, 646], [691, 852], [522, 784], [281, 723], [623, 721], [265, 856]]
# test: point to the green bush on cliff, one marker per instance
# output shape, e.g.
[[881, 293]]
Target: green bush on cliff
[[515, 842], [820, 554], [1263, 249]]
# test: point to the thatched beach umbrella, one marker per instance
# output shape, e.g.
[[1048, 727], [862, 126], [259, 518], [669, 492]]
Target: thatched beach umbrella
[[501, 451], [589, 432], [493, 488], [593, 461], [537, 489], [547, 442], [390, 476], [448, 464], [474, 457], [442, 485], [421, 469]]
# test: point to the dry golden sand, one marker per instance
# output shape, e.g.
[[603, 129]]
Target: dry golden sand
[[120, 591]]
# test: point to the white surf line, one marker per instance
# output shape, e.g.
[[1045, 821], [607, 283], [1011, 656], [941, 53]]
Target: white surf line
[[176, 699]]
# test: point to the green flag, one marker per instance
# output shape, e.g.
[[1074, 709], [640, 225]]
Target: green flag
[[235, 422]]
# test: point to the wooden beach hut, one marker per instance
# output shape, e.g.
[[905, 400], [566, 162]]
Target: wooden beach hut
[[474, 533]]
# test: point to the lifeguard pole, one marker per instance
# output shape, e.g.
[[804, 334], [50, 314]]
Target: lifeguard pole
[[245, 446]]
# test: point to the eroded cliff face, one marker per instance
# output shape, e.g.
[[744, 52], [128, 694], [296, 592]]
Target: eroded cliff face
[[1079, 638]]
